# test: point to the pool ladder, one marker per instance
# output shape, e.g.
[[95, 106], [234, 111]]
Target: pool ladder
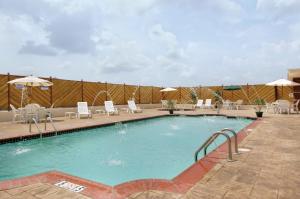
[[213, 137], [45, 126]]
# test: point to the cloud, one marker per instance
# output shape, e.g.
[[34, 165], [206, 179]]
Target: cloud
[[158, 34], [37, 49], [279, 7], [72, 33]]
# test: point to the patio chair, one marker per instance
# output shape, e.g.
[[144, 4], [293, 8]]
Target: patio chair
[[164, 103], [17, 114], [238, 104], [83, 110], [227, 104], [207, 103], [283, 106], [133, 108], [32, 111], [199, 104], [110, 109]]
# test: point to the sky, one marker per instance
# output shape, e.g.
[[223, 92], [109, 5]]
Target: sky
[[151, 42]]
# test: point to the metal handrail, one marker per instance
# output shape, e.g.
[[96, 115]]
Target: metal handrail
[[38, 128], [210, 140], [235, 138], [51, 121]]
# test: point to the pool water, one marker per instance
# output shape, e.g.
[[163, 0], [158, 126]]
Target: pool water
[[154, 148]]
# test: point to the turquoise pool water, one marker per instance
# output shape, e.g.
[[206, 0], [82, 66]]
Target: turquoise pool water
[[155, 148]]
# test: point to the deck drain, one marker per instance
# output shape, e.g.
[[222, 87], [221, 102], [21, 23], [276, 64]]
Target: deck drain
[[70, 186]]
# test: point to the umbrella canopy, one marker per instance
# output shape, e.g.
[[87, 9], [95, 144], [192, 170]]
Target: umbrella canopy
[[283, 82], [232, 88], [169, 89], [31, 81]]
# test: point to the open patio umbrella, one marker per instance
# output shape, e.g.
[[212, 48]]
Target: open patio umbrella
[[232, 88], [282, 83], [30, 81]]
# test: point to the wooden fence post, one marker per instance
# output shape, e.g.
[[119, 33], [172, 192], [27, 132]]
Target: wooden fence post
[[180, 95], [51, 92], [82, 90], [106, 91], [139, 94], [276, 93], [8, 92], [124, 93], [200, 93], [151, 94]]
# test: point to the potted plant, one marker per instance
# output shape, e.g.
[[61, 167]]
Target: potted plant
[[194, 98], [218, 99], [259, 104], [171, 106]]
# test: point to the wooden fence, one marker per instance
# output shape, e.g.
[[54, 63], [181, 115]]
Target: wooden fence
[[66, 93]]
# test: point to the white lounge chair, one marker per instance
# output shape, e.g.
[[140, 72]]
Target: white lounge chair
[[207, 103], [199, 104], [133, 108], [110, 109], [83, 110], [17, 115]]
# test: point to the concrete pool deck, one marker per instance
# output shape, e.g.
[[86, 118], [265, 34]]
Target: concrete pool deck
[[269, 170]]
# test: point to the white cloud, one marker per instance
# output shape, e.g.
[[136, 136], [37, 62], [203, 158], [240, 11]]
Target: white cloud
[[279, 7]]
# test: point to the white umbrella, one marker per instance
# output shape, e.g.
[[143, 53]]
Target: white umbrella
[[31, 81], [169, 89], [283, 82]]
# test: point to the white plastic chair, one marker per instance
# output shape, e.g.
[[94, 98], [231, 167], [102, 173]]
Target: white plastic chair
[[199, 104], [17, 115], [133, 108], [207, 103], [164, 103], [227, 104], [110, 109], [238, 104], [83, 110], [283, 106]]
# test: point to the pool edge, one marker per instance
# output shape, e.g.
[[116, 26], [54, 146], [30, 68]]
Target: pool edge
[[180, 184]]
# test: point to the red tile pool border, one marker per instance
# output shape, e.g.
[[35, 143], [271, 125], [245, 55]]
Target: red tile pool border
[[180, 184]]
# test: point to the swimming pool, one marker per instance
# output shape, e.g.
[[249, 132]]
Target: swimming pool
[[153, 148]]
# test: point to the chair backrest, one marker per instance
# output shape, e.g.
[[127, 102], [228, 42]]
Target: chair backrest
[[239, 102], [283, 103], [199, 103], [82, 107], [164, 103], [208, 102], [32, 108], [132, 105], [109, 106], [13, 108]]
